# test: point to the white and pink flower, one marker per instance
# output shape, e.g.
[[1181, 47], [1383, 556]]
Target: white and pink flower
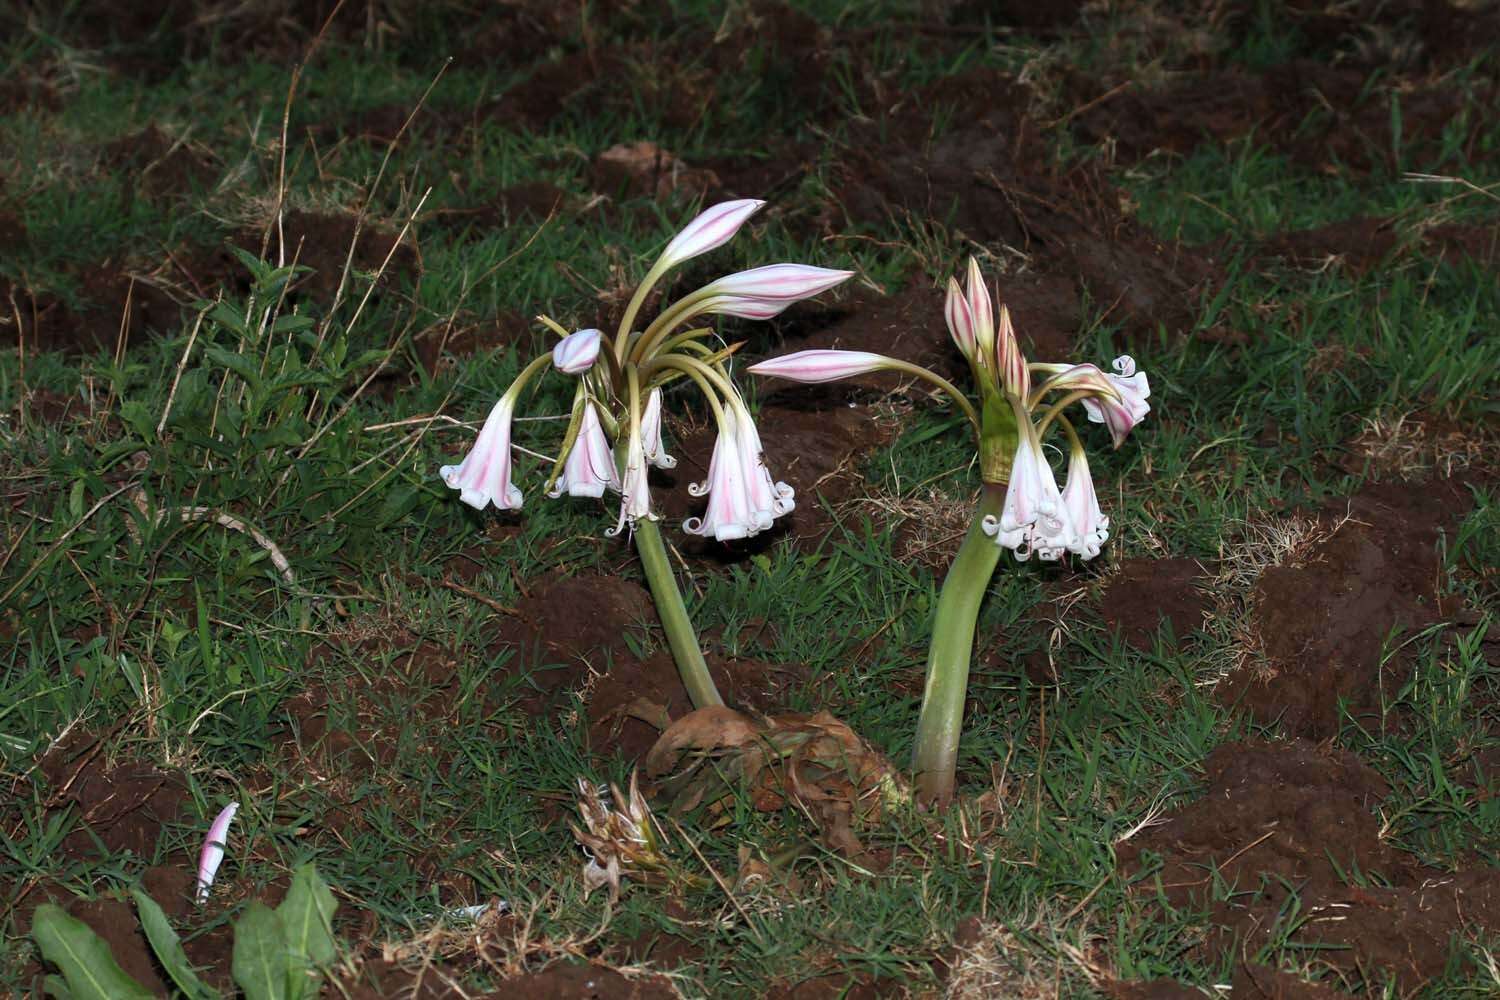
[[655, 451], [590, 466], [575, 353], [212, 854], [483, 477], [1127, 406], [743, 498], [777, 282], [710, 230], [820, 365], [635, 490], [1090, 526], [1034, 519]]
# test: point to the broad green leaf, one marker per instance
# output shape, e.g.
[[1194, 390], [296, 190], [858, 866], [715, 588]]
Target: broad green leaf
[[90, 971], [168, 947], [307, 915], [261, 963], [245, 367]]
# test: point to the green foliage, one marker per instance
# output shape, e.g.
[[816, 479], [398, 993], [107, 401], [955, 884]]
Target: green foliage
[[278, 954], [89, 971]]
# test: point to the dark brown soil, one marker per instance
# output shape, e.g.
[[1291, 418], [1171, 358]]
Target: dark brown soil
[[989, 178], [160, 165], [1261, 982], [839, 986], [529, 203], [470, 337], [573, 630], [1257, 982], [1322, 116], [115, 303], [1323, 624], [120, 806], [116, 923], [1143, 593], [1365, 242], [1285, 818]]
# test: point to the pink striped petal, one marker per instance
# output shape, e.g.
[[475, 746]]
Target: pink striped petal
[[575, 353], [711, 229], [778, 282], [212, 854], [960, 325], [820, 366]]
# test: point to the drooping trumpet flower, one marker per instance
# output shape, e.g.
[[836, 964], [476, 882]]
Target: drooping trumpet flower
[[1021, 508], [614, 433]]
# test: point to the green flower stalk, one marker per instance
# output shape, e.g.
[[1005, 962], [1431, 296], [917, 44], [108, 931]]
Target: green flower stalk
[[614, 431], [1020, 507]]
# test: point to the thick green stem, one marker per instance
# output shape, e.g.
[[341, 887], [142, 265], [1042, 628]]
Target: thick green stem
[[941, 721], [674, 617]]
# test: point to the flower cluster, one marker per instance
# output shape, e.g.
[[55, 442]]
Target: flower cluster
[[1012, 420], [614, 433]]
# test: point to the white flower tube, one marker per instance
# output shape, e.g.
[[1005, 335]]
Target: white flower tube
[[729, 514], [820, 365], [635, 491], [655, 451], [575, 353], [1034, 518], [212, 854], [1090, 526], [483, 477], [769, 499], [590, 466]]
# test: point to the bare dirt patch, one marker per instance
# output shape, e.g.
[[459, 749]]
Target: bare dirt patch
[[1322, 625], [121, 806], [1143, 593], [966, 154], [159, 165], [568, 636], [1323, 116], [1294, 818]]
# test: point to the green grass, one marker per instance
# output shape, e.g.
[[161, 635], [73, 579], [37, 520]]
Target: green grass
[[184, 642]]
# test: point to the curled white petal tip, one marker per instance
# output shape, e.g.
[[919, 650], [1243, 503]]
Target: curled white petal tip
[[483, 477], [212, 854], [655, 451], [713, 227], [575, 353], [743, 499], [1120, 414], [820, 365], [1090, 526], [1034, 519]]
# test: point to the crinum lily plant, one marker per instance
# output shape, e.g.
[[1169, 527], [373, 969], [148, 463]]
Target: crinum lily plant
[[614, 432], [1020, 506]]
